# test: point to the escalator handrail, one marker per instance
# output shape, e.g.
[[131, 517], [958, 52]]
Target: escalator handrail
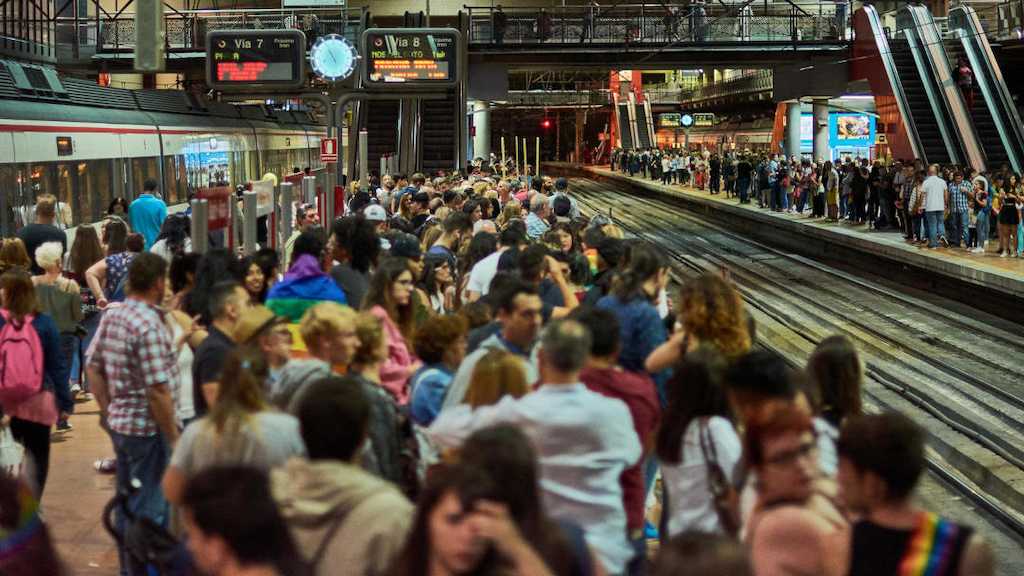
[[885, 53], [955, 122], [989, 77]]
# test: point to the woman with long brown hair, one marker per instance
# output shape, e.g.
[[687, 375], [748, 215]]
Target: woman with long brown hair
[[106, 278], [31, 414], [241, 428], [13, 255], [390, 299], [711, 311], [460, 529]]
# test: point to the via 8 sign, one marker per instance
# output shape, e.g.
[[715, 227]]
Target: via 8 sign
[[250, 59], [411, 56]]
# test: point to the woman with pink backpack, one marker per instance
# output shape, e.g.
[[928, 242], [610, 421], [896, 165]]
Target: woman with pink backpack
[[34, 390]]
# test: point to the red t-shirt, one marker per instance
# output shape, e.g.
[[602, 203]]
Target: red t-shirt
[[638, 393]]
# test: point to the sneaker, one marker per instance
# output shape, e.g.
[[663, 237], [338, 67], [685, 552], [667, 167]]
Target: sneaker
[[63, 425], [1002, 254], [978, 250], [944, 242]]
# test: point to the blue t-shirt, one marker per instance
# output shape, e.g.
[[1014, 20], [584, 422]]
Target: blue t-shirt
[[429, 386], [147, 214]]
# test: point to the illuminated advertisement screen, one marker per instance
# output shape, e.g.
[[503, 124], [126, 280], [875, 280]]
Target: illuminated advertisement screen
[[413, 56], [851, 129], [246, 59]]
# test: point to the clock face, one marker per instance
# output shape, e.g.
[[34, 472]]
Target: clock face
[[686, 120], [333, 57]]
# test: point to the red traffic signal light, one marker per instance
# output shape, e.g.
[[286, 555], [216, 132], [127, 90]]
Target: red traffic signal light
[[545, 123]]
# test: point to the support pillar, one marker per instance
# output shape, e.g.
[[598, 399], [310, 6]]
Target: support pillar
[[819, 109], [482, 125], [792, 139]]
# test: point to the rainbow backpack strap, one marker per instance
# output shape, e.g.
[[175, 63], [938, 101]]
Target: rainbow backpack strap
[[931, 547]]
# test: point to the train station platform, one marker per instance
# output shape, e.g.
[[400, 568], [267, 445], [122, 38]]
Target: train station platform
[[987, 271]]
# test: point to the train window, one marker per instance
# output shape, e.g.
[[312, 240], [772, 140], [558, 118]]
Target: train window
[[9, 195], [65, 147], [95, 180], [142, 170], [67, 192]]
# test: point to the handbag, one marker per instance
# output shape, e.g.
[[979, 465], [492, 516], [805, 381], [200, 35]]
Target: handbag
[[12, 454], [724, 496]]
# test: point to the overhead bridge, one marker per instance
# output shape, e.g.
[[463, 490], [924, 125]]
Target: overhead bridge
[[654, 35]]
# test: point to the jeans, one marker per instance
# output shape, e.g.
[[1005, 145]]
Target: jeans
[[959, 224], [143, 458], [91, 323], [934, 227], [982, 225], [742, 188]]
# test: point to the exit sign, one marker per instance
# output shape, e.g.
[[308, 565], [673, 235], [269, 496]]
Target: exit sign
[[329, 150]]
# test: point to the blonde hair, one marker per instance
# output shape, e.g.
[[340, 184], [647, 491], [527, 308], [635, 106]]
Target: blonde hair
[[370, 331], [325, 320], [496, 374], [613, 231], [49, 254]]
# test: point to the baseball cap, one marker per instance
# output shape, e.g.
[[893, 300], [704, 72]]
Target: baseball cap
[[253, 322], [406, 246], [375, 213]]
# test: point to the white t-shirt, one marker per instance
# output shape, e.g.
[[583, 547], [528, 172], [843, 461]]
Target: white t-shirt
[[690, 501], [934, 189], [482, 273], [160, 248], [184, 405]]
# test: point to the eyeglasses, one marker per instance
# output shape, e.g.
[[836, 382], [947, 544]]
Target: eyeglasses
[[788, 457]]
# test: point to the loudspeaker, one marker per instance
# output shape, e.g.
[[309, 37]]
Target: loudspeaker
[[149, 35]]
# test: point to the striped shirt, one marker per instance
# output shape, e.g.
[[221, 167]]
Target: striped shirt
[[134, 352]]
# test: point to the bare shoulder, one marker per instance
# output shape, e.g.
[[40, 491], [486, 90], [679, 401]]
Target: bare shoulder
[[977, 559]]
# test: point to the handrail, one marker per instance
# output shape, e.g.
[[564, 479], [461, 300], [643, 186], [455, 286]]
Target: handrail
[[645, 23], [946, 100], [885, 54], [966, 25]]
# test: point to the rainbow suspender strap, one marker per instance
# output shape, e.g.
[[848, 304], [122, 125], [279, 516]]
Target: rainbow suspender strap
[[931, 547]]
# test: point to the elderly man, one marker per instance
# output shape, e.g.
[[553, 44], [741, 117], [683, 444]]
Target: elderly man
[[536, 222]]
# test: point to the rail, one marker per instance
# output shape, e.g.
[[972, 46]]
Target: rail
[[757, 81], [658, 24], [546, 98], [186, 30]]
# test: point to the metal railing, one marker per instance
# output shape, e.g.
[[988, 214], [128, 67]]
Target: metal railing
[[186, 30], [655, 24], [756, 81], [533, 98]]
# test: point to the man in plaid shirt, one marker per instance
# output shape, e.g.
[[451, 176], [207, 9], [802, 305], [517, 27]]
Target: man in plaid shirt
[[960, 194], [134, 373]]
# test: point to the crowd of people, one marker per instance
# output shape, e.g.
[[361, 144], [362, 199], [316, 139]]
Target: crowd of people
[[952, 206], [462, 375]]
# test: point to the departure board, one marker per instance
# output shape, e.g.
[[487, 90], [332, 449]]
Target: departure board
[[239, 60], [411, 56]]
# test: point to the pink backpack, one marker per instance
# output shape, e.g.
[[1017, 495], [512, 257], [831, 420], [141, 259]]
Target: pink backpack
[[21, 360]]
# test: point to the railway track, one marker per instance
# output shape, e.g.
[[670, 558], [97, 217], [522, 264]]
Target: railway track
[[922, 357]]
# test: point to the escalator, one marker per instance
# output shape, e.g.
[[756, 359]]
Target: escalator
[[923, 118], [995, 115], [437, 134], [643, 134], [382, 129], [984, 125], [625, 132]]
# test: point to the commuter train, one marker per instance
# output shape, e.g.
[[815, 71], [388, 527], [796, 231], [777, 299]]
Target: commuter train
[[88, 144]]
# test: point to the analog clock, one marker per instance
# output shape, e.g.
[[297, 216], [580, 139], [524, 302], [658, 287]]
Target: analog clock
[[686, 120], [333, 57]]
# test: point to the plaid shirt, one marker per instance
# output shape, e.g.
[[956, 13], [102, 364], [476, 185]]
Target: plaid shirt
[[958, 199], [133, 350]]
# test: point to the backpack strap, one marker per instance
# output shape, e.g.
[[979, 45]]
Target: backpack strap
[[321, 549]]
